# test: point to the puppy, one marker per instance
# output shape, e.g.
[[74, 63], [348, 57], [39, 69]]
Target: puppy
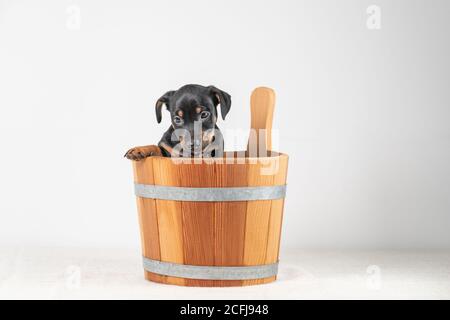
[[193, 133]]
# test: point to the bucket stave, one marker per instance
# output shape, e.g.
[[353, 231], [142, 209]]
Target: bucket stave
[[223, 242]]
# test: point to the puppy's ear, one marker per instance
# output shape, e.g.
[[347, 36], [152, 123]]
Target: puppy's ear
[[222, 98], [161, 101]]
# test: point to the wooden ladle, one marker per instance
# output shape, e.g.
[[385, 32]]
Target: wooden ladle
[[262, 104]]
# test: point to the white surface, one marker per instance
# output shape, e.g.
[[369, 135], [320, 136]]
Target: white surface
[[112, 274], [362, 113]]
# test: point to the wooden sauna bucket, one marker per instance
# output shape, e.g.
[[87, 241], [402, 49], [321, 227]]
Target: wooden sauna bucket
[[211, 224]]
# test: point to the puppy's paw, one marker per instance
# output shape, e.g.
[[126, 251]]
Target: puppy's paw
[[139, 153]]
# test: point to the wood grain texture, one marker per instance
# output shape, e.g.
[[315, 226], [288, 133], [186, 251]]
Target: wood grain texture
[[276, 214], [170, 219], [148, 221], [230, 220], [154, 277], [257, 222], [198, 220]]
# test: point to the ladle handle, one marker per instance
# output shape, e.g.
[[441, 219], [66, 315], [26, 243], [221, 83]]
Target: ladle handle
[[262, 104]]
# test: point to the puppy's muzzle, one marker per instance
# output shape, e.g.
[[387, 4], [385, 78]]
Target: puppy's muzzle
[[195, 144]]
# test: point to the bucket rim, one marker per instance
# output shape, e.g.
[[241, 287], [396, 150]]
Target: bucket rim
[[274, 156]]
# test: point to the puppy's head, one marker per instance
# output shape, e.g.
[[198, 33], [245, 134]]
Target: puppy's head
[[193, 111]]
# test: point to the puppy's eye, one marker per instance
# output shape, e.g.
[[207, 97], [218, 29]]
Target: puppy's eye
[[204, 115], [177, 120]]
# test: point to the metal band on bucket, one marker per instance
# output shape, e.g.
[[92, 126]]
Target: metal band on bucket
[[210, 272], [210, 194]]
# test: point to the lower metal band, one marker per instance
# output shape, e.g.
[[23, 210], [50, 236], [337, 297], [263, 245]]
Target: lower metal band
[[210, 272]]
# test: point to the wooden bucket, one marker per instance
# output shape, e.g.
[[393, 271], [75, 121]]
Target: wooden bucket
[[214, 223]]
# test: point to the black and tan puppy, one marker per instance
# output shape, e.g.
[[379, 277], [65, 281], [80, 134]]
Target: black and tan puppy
[[193, 133]]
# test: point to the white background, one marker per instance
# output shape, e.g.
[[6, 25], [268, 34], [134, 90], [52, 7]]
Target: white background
[[364, 114]]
